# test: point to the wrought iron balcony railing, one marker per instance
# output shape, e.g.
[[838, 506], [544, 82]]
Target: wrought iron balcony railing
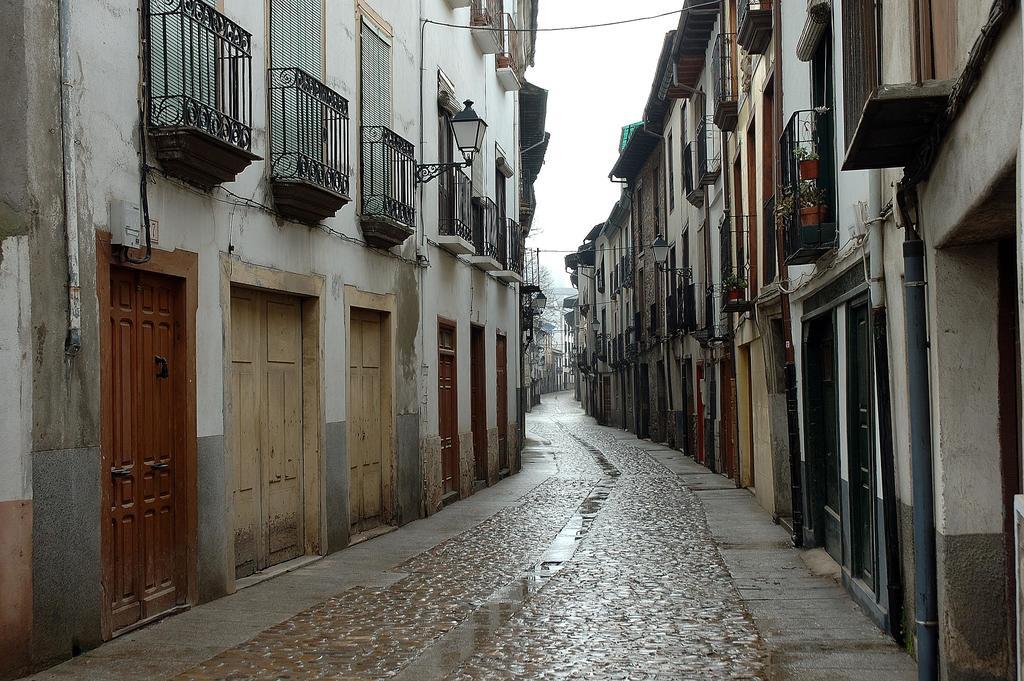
[[709, 157], [388, 186], [754, 25], [309, 145], [735, 285], [724, 75], [510, 247], [455, 203], [694, 189], [199, 85], [485, 227], [506, 59], [805, 202]]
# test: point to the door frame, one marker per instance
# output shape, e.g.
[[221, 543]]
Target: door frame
[[385, 304], [309, 289], [184, 267]]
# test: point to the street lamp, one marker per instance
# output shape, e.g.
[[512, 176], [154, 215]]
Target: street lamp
[[595, 326], [660, 248], [469, 131], [540, 301]]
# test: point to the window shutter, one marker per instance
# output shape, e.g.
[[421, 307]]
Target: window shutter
[[376, 78], [296, 35]]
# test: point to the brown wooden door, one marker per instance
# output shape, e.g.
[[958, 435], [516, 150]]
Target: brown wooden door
[[447, 408], [145, 466], [365, 386], [478, 400], [501, 370], [266, 394]]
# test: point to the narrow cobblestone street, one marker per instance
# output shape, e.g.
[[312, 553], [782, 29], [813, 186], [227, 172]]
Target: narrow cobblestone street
[[604, 567]]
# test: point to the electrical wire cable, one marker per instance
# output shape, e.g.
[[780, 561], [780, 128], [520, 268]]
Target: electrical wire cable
[[583, 27]]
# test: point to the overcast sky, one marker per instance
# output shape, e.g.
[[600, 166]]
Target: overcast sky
[[599, 80]]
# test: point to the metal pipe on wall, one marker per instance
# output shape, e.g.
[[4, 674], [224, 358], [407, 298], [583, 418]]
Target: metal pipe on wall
[[73, 343], [926, 600]]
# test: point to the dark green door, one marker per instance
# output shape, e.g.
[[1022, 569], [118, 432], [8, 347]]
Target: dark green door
[[862, 487], [822, 442]]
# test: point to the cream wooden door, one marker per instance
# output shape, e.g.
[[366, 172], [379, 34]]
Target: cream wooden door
[[266, 394], [367, 436]]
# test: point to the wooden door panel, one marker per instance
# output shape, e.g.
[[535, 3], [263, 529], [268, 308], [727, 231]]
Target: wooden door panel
[[478, 401], [365, 389], [447, 405], [501, 370], [145, 370], [246, 391]]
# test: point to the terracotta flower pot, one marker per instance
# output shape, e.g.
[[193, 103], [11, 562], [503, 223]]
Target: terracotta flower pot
[[735, 294], [812, 215], [809, 169]]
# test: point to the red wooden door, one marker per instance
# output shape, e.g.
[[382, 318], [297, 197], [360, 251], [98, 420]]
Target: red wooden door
[[448, 408], [143, 467], [501, 364], [478, 401]]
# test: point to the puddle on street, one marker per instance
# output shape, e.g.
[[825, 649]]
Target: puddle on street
[[459, 644]]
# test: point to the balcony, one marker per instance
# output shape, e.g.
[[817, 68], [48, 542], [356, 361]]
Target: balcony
[[388, 215], [689, 311], [723, 73], [486, 21], [457, 4], [510, 253], [506, 62], [709, 155], [599, 279], [455, 212], [754, 25], [735, 286], [694, 190], [485, 235], [308, 146], [805, 206], [199, 76]]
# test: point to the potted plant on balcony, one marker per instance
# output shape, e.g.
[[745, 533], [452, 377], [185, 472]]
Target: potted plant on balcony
[[812, 204], [809, 163], [784, 208], [734, 286]]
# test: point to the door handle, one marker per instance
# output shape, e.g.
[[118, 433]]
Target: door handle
[[161, 367], [159, 466], [120, 471]]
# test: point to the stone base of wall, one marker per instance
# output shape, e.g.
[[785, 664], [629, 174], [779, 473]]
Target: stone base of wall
[[15, 588], [467, 465], [492, 456], [515, 463], [431, 448]]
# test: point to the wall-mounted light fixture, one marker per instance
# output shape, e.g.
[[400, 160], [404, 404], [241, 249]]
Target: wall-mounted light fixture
[[469, 131]]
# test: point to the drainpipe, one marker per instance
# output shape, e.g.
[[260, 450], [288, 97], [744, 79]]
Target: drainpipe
[[926, 600], [879, 328], [73, 342]]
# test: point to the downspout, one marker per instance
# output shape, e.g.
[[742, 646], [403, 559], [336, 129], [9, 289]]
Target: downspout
[[925, 598], [73, 342], [879, 329], [792, 396]]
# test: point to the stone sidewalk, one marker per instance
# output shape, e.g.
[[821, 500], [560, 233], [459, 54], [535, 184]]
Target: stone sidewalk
[[811, 628]]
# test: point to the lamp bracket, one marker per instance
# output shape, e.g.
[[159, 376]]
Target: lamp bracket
[[425, 172]]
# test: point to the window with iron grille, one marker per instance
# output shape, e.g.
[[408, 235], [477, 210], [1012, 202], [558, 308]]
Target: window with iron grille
[[199, 71], [671, 173]]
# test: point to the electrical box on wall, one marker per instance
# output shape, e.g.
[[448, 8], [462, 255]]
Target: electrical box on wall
[[125, 224]]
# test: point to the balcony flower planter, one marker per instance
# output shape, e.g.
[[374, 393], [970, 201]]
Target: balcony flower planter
[[809, 169], [736, 295], [811, 216], [809, 163]]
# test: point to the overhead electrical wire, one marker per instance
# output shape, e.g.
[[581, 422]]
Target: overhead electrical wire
[[583, 27]]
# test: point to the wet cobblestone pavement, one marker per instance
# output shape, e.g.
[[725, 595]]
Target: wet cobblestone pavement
[[607, 570]]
